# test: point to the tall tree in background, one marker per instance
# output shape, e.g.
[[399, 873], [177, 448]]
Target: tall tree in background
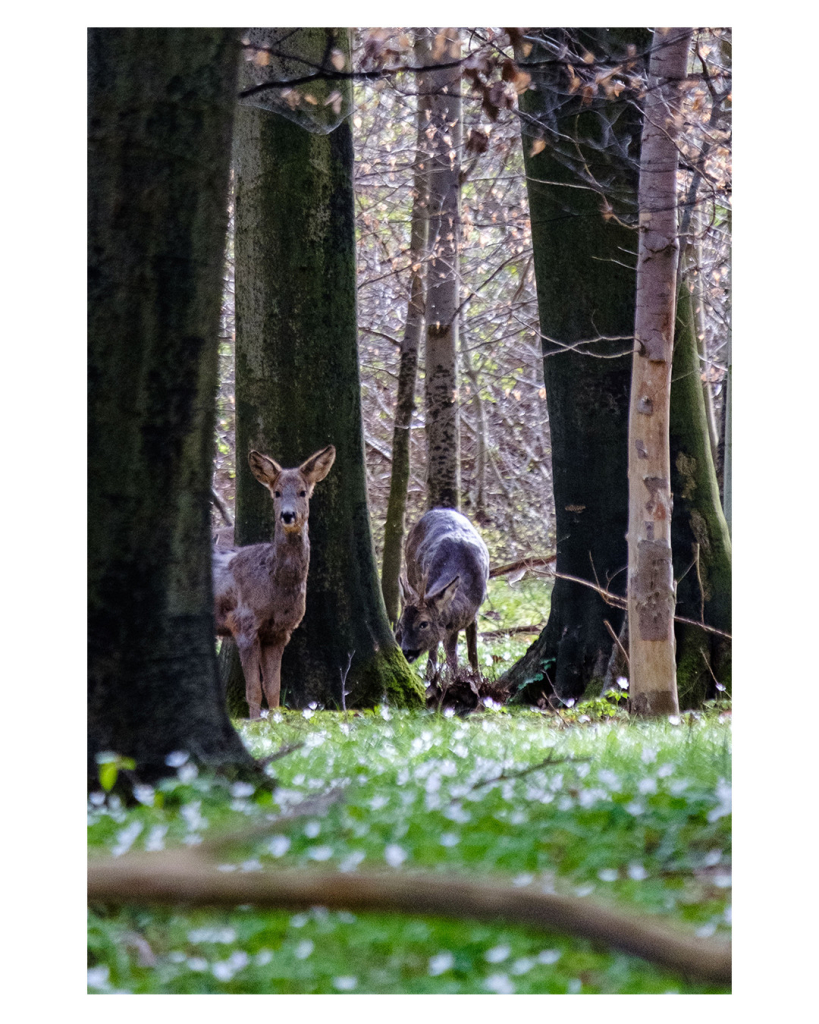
[[297, 378], [700, 541], [443, 280], [394, 527], [651, 590], [581, 124], [161, 105]]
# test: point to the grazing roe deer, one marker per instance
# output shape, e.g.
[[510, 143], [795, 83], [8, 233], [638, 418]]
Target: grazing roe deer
[[260, 590], [447, 572]]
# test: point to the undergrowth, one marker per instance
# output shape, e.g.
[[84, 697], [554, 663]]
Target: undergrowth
[[632, 812]]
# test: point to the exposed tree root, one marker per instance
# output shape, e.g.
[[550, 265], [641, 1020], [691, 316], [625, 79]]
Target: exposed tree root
[[183, 877]]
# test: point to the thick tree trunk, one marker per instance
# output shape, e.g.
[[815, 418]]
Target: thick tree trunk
[[161, 107], [651, 597], [441, 368], [699, 534], [297, 388], [582, 184], [408, 363]]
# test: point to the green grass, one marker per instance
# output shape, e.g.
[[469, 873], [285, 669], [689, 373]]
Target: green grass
[[645, 822]]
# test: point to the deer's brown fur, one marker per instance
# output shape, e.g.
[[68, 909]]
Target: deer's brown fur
[[260, 590]]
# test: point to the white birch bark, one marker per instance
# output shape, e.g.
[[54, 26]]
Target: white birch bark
[[651, 590]]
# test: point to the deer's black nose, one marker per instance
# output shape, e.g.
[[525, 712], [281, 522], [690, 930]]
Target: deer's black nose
[[411, 655], [288, 517]]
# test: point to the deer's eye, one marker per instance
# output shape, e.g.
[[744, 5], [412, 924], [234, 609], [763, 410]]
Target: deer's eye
[[302, 494], [423, 625], [278, 494]]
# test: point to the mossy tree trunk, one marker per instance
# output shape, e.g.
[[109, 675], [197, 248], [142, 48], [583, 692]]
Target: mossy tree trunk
[[699, 533], [443, 280], [728, 455], [582, 179], [297, 385], [161, 105], [394, 527]]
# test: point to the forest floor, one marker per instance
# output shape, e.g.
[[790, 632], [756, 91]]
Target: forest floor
[[581, 802]]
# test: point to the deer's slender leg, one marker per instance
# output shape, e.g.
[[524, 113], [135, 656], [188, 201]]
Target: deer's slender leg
[[250, 656], [272, 673], [451, 648], [432, 663], [472, 645]]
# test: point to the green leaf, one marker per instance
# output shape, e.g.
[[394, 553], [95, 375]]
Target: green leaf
[[108, 775]]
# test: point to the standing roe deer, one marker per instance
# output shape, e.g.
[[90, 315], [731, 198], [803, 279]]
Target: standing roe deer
[[447, 572], [260, 590]]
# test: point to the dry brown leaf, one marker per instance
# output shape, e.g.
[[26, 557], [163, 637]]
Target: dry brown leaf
[[334, 100], [440, 44], [537, 147]]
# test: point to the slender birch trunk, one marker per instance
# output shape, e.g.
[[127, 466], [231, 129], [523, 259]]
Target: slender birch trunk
[[408, 363], [441, 378], [651, 591]]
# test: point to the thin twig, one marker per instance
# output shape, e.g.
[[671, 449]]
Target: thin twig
[[708, 666], [217, 501], [616, 639], [510, 631], [532, 562], [312, 807], [620, 602], [344, 673], [504, 775], [280, 753]]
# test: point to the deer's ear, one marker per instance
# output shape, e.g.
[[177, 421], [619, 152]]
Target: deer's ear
[[408, 595], [318, 466], [265, 469], [442, 598]]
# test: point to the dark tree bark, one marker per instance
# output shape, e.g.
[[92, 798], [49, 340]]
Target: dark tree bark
[[297, 387], [582, 179], [700, 540], [160, 114], [394, 526], [443, 280]]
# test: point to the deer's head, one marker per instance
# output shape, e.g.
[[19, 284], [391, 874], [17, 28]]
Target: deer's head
[[291, 489], [424, 616]]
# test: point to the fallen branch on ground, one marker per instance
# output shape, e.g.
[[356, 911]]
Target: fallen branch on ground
[[184, 877]]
